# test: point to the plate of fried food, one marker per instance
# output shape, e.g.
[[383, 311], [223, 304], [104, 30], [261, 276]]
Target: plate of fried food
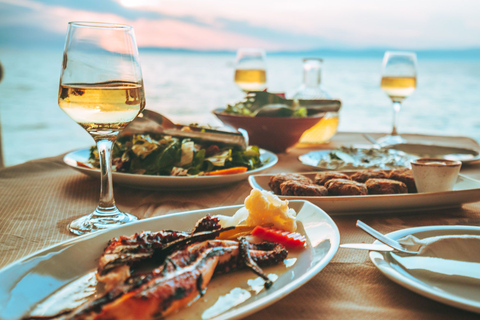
[[217, 263], [365, 191]]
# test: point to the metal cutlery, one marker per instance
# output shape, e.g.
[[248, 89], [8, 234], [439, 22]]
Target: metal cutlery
[[395, 245], [368, 246]]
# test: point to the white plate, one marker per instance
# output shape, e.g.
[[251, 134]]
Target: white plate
[[312, 158], [268, 158], [461, 295], [465, 190], [467, 156], [30, 280]]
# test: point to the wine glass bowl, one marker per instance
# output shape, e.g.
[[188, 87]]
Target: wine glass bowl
[[399, 80], [250, 69], [101, 88]]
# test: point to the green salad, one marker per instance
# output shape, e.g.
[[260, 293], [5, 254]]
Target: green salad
[[170, 156], [266, 104]]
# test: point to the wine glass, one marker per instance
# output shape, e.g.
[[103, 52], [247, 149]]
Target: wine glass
[[250, 69], [101, 88], [399, 79]]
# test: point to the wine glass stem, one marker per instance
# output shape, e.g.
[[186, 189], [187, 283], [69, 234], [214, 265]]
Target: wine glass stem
[[106, 205], [396, 109]]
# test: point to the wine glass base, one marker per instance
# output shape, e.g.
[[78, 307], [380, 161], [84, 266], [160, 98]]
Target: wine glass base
[[390, 140], [96, 222]]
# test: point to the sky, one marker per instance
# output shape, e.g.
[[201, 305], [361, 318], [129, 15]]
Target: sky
[[275, 25]]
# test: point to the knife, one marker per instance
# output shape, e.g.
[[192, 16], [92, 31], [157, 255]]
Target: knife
[[368, 246]]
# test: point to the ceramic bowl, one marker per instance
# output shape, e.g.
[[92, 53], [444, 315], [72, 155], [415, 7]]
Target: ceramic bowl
[[276, 134], [435, 175]]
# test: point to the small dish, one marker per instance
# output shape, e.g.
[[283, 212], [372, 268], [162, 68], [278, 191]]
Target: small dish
[[435, 175]]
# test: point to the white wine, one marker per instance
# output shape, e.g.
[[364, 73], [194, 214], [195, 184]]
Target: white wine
[[398, 88], [102, 107], [251, 79]]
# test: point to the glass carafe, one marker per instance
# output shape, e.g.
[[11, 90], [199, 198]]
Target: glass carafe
[[311, 89]]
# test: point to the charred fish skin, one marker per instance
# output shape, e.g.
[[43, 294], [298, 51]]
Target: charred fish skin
[[159, 293], [183, 277], [140, 246], [207, 224], [119, 264]]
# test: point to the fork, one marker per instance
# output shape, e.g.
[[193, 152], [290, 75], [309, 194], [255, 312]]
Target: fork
[[384, 239]]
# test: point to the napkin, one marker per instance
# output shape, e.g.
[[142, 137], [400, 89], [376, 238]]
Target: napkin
[[452, 258]]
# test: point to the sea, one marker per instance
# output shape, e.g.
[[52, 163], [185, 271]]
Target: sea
[[187, 86]]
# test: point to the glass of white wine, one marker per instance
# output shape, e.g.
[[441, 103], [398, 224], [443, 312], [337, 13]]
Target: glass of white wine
[[101, 88], [399, 80], [250, 69]]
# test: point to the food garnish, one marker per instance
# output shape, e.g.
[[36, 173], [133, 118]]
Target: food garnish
[[358, 158], [288, 239], [170, 156], [226, 171], [236, 232], [263, 208]]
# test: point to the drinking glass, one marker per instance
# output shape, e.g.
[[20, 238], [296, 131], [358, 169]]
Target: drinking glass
[[101, 88], [250, 69], [399, 79]]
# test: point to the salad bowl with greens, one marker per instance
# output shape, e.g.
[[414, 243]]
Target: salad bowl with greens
[[272, 122]]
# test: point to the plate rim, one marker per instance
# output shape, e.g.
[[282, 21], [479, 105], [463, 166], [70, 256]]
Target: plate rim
[[417, 285], [242, 311]]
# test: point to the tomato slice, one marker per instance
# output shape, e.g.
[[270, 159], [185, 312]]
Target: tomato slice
[[287, 238]]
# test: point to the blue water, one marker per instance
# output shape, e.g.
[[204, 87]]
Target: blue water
[[187, 86]]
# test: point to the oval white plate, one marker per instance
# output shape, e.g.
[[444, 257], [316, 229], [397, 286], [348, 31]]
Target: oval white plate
[[25, 283], [312, 158], [461, 295], [467, 156], [268, 158], [465, 190]]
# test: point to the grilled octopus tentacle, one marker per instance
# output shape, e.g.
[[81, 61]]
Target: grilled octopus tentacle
[[249, 263], [141, 246], [121, 254], [183, 276]]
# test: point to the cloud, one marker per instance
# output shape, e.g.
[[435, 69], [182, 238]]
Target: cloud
[[271, 24], [28, 17], [350, 23]]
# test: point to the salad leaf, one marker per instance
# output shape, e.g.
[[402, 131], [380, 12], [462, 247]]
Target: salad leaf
[[166, 155], [219, 159], [197, 163], [249, 158]]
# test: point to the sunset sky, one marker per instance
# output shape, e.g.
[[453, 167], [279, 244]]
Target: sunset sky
[[271, 24]]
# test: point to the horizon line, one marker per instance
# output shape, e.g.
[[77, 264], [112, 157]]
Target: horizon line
[[470, 52]]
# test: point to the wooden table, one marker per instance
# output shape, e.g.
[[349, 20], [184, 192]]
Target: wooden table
[[39, 198]]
